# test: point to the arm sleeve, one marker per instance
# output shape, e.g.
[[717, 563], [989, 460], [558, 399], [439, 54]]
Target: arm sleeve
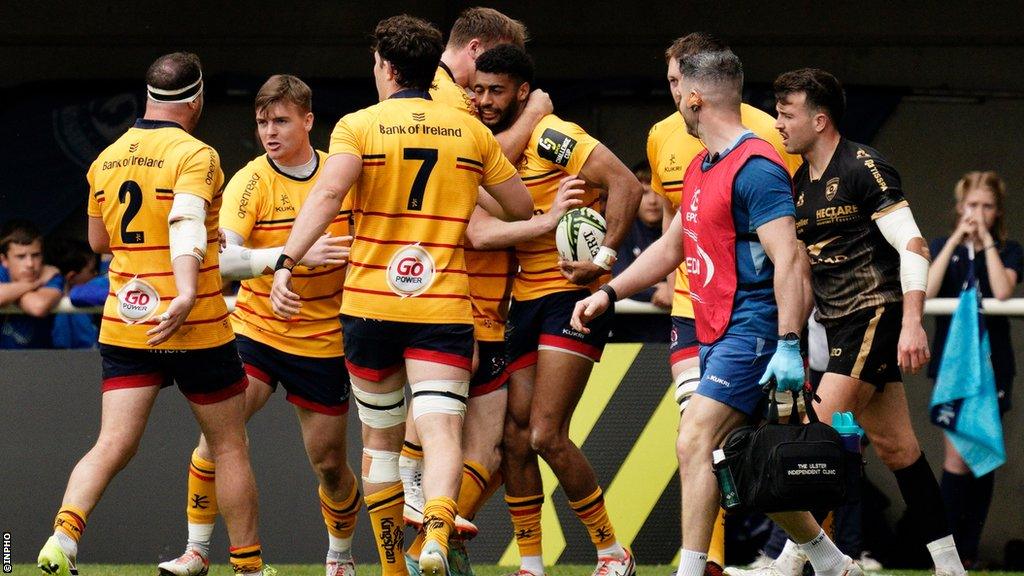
[[497, 168], [652, 161], [763, 188], [93, 208], [883, 191], [347, 136], [563, 145], [200, 174], [242, 203], [92, 293]]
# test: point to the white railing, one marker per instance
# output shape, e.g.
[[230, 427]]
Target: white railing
[[935, 307]]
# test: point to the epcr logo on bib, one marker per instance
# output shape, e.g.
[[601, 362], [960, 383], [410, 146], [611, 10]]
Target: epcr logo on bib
[[411, 271], [137, 301]]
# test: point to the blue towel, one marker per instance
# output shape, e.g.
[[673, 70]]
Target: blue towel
[[964, 402]]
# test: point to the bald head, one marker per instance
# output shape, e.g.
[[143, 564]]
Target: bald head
[[173, 72]]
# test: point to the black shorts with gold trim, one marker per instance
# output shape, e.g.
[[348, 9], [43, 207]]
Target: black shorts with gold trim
[[863, 345]]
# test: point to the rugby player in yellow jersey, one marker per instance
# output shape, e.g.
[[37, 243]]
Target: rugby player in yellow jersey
[[490, 277], [669, 150], [416, 166], [304, 355], [549, 362], [154, 198]]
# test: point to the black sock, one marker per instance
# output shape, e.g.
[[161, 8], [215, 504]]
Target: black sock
[[921, 493], [955, 491], [979, 497]]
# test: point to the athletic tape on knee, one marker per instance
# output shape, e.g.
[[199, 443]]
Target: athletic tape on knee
[[440, 397], [380, 466], [686, 384], [380, 410]]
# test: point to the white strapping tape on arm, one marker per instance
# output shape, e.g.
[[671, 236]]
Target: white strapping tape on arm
[[241, 263], [899, 228], [187, 226]]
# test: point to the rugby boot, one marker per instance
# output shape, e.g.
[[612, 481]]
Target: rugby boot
[[54, 561], [191, 563]]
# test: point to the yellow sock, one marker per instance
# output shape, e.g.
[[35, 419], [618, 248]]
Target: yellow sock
[[71, 521], [417, 545], [592, 512], [475, 479], [340, 516], [202, 491], [716, 552], [246, 558], [493, 483], [410, 450], [439, 520], [385, 510], [525, 512]]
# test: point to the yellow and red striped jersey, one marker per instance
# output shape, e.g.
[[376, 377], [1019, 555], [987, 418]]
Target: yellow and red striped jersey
[[132, 186], [423, 162], [260, 205], [670, 149], [556, 148], [490, 271]]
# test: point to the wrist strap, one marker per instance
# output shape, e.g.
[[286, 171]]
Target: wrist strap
[[285, 262], [610, 292], [605, 257]]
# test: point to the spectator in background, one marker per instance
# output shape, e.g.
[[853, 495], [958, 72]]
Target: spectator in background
[[29, 284], [645, 230], [980, 222], [79, 266]]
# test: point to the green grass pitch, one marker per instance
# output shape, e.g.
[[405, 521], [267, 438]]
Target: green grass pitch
[[482, 570]]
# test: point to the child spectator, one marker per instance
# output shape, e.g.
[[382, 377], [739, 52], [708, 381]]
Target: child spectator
[[29, 284], [79, 265]]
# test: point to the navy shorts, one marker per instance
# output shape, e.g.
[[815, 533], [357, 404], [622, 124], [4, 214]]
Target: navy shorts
[[491, 369], [204, 375], [376, 349], [863, 345], [543, 323], [316, 384], [731, 368], [684, 344]]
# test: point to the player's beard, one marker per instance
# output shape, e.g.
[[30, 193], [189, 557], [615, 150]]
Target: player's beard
[[508, 117]]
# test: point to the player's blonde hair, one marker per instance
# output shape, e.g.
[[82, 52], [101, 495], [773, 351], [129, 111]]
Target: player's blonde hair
[[488, 26], [284, 88], [984, 180]]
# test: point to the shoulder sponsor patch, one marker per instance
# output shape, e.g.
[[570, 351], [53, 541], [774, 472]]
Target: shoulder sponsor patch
[[555, 147]]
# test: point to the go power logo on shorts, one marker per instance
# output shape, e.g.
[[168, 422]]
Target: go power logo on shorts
[[411, 271]]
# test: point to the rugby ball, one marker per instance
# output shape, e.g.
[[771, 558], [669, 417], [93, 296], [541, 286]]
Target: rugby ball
[[579, 234]]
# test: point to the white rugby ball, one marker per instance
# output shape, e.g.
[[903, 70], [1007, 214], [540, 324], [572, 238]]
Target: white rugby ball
[[579, 234]]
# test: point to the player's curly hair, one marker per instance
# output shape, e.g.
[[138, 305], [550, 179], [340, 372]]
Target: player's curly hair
[[821, 89], [413, 46], [488, 26], [174, 71], [507, 59]]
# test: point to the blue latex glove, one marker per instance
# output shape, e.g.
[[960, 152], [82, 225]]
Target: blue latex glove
[[787, 366]]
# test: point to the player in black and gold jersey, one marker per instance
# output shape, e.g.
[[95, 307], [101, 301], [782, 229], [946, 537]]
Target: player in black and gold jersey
[[154, 198], [550, 362], [305, 355], [413, 167], [869, 268]]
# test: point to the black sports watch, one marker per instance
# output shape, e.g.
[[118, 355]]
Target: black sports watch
[[284, 261], [790, 337]]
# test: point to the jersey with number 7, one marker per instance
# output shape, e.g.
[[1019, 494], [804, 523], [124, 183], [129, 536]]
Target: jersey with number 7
[[131, 187], [423, 162]]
